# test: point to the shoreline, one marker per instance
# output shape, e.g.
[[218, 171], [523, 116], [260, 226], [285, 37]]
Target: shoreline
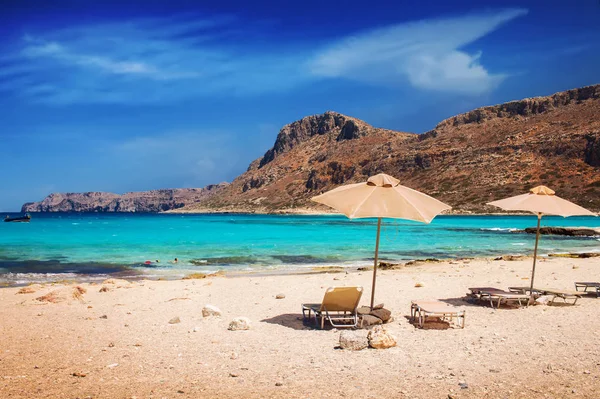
[[281, 212], [384, 265]]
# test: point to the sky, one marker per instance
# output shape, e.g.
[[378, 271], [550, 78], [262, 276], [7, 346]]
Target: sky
[[139, 95]]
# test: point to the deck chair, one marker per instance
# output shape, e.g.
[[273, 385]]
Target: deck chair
[[499, 296], [555, 293], [594, 286], [338, 306], [424, 309]]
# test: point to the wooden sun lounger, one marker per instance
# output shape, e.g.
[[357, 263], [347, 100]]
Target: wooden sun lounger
[[556, 293], [595, 286], [497, 295], [433, 308], [339, 307]]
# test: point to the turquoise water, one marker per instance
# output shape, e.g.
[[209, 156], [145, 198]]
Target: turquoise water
[[57, 246]]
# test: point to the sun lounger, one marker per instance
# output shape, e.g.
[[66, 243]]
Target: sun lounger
[[424, 309], [555, 293], [477, 291], [499, 296], [339, 305], [585, 285]]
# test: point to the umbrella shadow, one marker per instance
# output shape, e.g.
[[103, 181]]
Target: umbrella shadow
[[462, 301], [431, 323], [291, 320]]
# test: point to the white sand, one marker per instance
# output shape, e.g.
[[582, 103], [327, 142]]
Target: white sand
[[535, 352]]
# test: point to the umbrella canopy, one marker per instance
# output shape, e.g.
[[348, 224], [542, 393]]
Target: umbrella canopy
[[381, 196], [541, 200]]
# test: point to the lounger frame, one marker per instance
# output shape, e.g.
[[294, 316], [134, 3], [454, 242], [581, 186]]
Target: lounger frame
[[335, 307], [564, 295], [332, 316], [419, 310], [498, 296], [585, 285]]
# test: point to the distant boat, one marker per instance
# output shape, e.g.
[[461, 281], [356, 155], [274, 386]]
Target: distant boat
[[25, 218]]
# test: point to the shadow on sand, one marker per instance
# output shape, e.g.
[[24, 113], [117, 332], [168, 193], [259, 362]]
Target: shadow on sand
[[291, 320], [431, 323]]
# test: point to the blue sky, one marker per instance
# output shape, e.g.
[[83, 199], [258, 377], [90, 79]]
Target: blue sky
[[139, 95]]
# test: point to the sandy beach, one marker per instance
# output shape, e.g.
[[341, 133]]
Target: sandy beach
[[115, 340]]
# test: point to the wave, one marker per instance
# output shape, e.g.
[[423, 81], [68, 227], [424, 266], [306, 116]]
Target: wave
[[504, 229]]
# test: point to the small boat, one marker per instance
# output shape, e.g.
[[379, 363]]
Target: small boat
[[25, 218]]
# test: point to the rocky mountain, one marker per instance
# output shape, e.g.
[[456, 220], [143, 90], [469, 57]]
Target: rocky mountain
[[144, 201], [466, 160]]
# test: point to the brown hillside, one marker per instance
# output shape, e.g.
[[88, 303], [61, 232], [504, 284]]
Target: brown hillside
[[466, 161]]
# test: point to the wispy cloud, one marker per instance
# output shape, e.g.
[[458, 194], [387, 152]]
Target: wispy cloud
[[427, 54], [152, 60]]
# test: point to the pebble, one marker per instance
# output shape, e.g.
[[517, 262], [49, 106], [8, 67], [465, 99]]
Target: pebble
[[174, 320], [111, 345], [112, 366], [278, 384], [76, 374], [279, 296], [234, 375], [104, 316], [196, 329]]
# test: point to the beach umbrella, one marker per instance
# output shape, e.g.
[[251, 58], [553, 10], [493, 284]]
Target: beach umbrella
[[540, 200], [381, 196]]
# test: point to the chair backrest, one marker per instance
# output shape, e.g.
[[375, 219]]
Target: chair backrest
[[341, 298]]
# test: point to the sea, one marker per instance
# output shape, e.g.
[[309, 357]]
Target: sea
[[88, 247]]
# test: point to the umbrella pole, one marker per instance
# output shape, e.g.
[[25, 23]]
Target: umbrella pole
[[537, 238], [375, 264]]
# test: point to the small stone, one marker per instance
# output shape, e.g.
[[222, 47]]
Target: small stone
[[210, 310], [112, 366], [543, 300], [368, 320], [180, 391], [279, 384], [353, 340], [378, 306], [382, 313], [239, 323], [463, 385], [77, 374], [233, 356], [104, 289], [586, 371], [111, 345], [104, 316], [336, 278], [196, 329], [175, 320], [364, 310], [419, 285], [279, 296], [234, 375], [380, 338]]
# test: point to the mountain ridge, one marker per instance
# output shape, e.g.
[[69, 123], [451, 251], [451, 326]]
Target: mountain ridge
[[466, 160]]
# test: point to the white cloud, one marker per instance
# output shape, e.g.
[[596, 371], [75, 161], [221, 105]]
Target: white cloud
[[162, 60], [428, 54]]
